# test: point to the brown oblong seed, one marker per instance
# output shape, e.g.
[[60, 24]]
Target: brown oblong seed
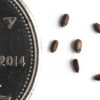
[[64, 20], [97, 27], [54, 46], [76, 65], [78, 45], [97, 77]]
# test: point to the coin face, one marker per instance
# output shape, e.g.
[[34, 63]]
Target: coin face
[[18, 51]]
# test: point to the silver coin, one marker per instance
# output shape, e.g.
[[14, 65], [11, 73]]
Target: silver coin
[[19, 51]]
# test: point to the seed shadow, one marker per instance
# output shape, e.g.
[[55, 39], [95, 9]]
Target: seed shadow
[[60, 19], [49, 46], [71, 63], [93, 78], [93, 29], [72, 46]]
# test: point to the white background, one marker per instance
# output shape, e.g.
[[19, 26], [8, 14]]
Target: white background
[[56, 79]]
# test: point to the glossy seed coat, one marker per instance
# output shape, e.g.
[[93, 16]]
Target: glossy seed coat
[[78, 45], [97, 27], [97, 77], [54, 46], [76, 65], [64, 20]]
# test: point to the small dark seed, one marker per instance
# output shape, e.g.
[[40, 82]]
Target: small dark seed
[[76, 65], [54, 46], [78, 45], [64, 20], [97, 77], [97, 27]]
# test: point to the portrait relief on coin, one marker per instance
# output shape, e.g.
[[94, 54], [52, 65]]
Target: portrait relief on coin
[[18, 51]]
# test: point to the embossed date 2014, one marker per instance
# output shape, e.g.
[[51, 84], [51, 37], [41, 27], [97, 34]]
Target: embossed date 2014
[[12, 61]]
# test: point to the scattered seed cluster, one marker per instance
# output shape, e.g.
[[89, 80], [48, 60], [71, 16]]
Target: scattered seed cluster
[[77, 45]]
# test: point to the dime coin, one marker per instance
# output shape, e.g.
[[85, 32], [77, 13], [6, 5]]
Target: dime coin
[[18, 51]]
